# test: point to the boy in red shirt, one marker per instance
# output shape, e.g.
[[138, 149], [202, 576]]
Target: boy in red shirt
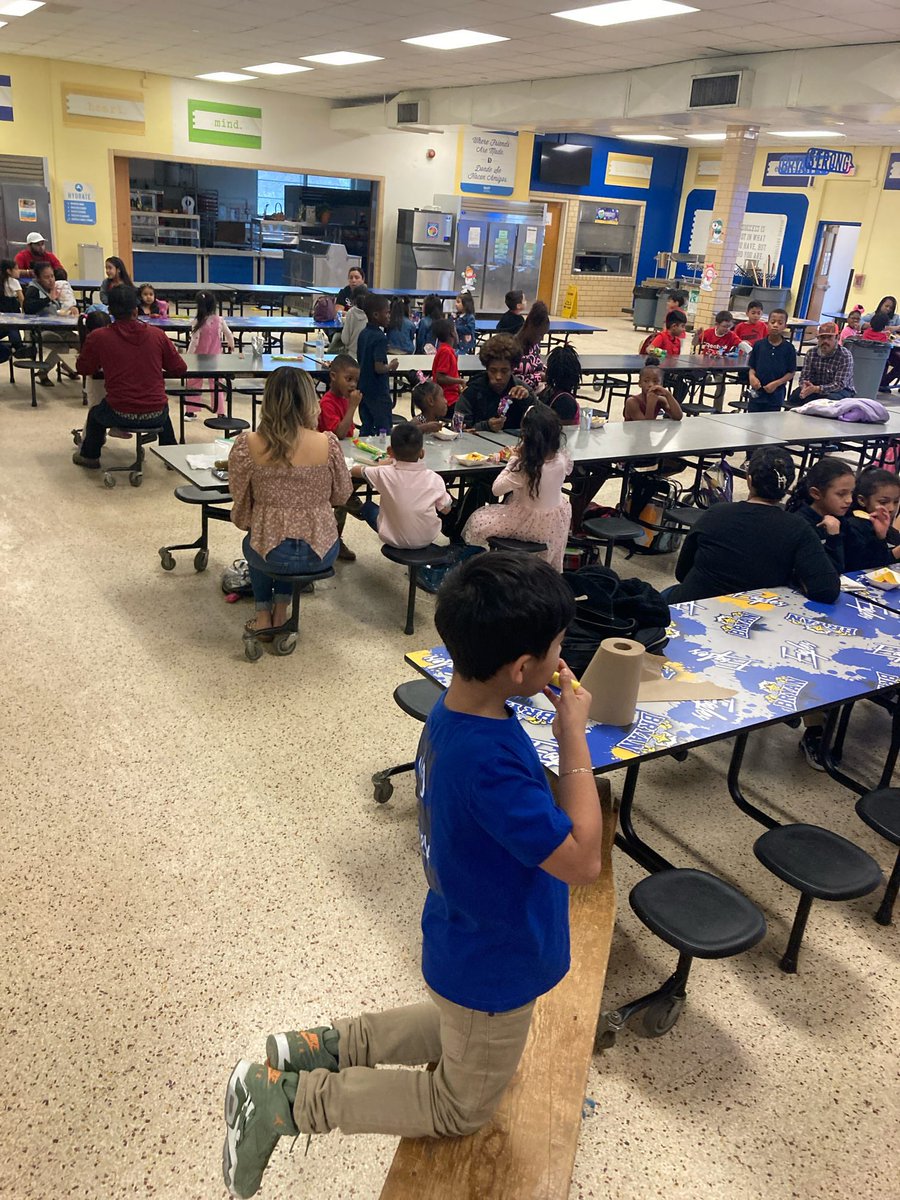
[[444, 370], [876, 330], [671, 337], [721, 339], [754, 328], [337, 408]]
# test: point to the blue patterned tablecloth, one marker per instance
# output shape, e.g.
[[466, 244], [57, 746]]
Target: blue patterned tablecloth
[[876, 595], [781, 653]]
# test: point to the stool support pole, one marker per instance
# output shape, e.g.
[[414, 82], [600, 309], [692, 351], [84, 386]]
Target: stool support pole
[[411, 600], [628, 840], [734, 786], [885, 914], [788, 962]]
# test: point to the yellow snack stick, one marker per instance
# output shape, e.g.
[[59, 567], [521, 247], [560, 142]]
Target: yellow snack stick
[[555, 681], [861, 512], [361, 445]]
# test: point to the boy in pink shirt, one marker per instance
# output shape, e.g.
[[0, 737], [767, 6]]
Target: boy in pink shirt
[[412, 496]]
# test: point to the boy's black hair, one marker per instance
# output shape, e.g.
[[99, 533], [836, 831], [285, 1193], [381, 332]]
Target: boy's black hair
[[123, 301], [680, 298], [724, 315], [772, 472], [675, 317], [879, 322], [871, 480], [496, 607], [421, 390], [563, 369], [755, 304], [781, 312], [343, 362], [88, 322], [372, 305], [358, 296], [820, 476], [442, 330], [513, 299], [406, 441]]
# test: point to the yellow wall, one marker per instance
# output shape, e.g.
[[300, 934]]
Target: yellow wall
[[860, 197]]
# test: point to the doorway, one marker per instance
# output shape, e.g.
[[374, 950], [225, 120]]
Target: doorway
[[552, 238], [834, 250]]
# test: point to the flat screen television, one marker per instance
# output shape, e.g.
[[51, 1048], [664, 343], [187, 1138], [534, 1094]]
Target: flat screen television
[[565, 164]]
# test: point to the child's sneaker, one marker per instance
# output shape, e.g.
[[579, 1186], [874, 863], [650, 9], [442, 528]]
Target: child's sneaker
[[303, 1049], [258, 1103], [811, 745]]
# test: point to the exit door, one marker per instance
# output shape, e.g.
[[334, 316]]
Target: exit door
[[832, 268]]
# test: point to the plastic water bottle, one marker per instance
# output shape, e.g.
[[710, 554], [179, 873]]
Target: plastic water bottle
[[585, 419], [382, 440], [320, 345]]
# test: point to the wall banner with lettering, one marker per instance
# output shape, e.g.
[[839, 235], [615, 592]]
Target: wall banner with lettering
[[488, 162]]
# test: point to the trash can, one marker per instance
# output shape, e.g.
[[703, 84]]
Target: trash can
[[644, 307], [869, 359]]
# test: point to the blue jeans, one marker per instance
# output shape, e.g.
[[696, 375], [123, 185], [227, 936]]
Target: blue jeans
[[369, 513], [292, 557]]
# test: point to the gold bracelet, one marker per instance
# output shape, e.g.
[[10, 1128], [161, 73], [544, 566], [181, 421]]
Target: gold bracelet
[[577, 771]]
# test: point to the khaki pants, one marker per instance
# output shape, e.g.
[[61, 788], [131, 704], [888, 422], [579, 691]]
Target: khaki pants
[[477, 1054]]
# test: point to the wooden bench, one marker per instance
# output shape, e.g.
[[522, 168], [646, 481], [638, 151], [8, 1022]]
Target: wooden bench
[[527, 1150]]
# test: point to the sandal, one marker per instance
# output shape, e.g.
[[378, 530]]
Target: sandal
[[45, 381], [261, 635]]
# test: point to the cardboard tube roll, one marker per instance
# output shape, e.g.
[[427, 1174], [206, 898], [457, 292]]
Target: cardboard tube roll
[[613, 677]]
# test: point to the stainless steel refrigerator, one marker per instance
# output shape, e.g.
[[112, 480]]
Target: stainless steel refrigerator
[[498, 252], [24, 209]]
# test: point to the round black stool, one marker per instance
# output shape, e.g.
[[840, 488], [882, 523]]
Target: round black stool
[[881, 811], [136, 469], [417, 697], [821, 865], [209, 500], [283, 637], [227, 425], [700, 916], [612, 531], [506, 543], [428, 556]]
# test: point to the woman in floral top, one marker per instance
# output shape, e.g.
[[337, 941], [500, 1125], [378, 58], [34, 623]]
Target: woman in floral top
[[286, 479], [532, 369]]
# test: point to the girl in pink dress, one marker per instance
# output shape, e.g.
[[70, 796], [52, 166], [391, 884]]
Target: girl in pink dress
[[536, 510], [208, 335]]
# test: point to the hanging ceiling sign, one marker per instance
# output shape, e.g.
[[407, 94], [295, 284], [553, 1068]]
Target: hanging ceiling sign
[[817, 162]]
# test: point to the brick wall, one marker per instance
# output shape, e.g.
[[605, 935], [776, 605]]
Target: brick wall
[[598, 295]]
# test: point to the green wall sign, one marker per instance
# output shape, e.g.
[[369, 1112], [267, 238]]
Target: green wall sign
[[224, 124]]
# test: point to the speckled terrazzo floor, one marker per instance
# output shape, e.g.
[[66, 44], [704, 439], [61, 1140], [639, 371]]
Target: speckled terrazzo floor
[[192, 858]]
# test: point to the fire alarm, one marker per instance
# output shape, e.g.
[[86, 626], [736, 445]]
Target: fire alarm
[[430, 153]]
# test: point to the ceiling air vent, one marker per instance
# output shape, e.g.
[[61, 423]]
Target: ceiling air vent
[[410, 113], [715, 91]]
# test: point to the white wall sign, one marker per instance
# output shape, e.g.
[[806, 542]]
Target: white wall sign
[[489, 162], [761, 235], [110, 109], [629, 166]]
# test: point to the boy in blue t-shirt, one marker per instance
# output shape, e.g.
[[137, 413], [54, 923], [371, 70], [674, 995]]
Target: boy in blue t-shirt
[[374, 368], [497, 853]]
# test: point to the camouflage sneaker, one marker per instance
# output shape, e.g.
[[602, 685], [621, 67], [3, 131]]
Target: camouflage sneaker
[[258, 1104], [303, 1049]]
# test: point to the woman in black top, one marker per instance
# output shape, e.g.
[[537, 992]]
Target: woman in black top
[[355, 278], [755, 543]]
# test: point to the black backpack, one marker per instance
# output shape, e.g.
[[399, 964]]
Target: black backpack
[[607, 606]]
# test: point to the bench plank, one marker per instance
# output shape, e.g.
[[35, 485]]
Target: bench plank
[[527, 1150]]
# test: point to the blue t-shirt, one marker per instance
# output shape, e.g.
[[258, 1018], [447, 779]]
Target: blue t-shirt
[[495, 927], [370, 349]]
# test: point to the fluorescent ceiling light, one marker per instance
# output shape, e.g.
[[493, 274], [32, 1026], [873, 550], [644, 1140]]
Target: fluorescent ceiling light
[[224, 77], [277, 68], [19, 8], [707, 137], [567, 147], [623, 11], [455, 39], [806, 133], [645, 137], [341, 58]]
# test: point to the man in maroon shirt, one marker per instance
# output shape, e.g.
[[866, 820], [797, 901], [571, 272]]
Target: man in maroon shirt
[[133, 357], [36, 252]]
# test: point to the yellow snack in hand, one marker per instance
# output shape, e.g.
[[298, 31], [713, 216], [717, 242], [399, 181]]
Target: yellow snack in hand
[[554, 679]]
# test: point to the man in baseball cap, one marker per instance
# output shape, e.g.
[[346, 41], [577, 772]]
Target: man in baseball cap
[[827, 370], [36, 252]]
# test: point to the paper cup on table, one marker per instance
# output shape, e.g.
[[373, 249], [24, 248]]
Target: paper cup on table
[[613, 677]]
